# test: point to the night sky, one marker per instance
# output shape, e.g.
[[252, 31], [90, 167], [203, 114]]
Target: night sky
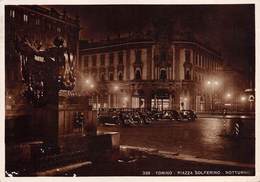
[[229, 29]]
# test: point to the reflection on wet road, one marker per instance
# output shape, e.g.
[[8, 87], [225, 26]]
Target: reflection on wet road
[[208, 138]]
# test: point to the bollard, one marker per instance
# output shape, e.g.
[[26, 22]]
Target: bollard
[[237, 129], [225, 129]]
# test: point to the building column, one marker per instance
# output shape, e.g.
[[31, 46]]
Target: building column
[[162, 104], [130, 101], [147, 104], [170, 101], [155, 102], [177, 101], [109, 100], [114, 100], [156, 73]]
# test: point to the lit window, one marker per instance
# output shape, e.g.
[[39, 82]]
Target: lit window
[[94, 60], [138, 56], [111, 76], [85, 61], [25, 18], [102, 59], [111, 59], [120, 57], [138, 75], [12, 13], [187, 56], [102, 77], [37, 21], [163, 74], [195, 58], [120, 76]]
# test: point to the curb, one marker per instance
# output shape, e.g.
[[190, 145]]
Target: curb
[[62, 169], [177, 156]]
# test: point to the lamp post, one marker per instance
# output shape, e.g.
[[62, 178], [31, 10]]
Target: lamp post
[[125, 101], [228, 96], [91, 89], [91, 86], [212, 85], [116, 89], [243, 100]]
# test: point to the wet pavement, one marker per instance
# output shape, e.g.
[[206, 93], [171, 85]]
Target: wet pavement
[[152, 165], [205, 147], [206, 138]]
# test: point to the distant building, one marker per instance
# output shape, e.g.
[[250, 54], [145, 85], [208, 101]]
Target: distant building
[[146, 71], [234, 83]]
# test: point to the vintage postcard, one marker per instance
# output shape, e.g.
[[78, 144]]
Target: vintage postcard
[[129, 90]]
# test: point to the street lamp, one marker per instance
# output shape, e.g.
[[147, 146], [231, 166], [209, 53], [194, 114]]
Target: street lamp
[[243, 98], [125, 101], [91, 85], [116, 89], [212, 84], [228, 101], [228, 95]]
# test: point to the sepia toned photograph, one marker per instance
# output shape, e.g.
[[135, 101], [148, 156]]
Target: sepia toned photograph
[[129, 90]]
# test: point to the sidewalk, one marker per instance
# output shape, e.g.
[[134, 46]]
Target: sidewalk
[[228, 115], [136, 161]]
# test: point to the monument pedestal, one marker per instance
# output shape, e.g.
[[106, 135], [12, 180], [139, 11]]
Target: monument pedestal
[[46, 124]]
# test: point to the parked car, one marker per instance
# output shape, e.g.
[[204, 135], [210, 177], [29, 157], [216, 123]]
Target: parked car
[[157, 115], [108, 119], [188, 115], [138, 120], [145, 117], [171, 115], [130, 118], [124, 118], [167, 115]]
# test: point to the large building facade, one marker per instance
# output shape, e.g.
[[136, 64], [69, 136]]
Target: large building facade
[[147, 72]]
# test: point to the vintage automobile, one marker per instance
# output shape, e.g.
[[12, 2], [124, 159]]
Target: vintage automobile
[[172, 115], [188, 115], [122, 118], [108, 118], [127, 119], [145, 117], [167, 115]]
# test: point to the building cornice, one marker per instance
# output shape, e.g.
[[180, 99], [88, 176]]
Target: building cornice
[[67, 21], [198, 45], [99, 48], [135, 43]]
